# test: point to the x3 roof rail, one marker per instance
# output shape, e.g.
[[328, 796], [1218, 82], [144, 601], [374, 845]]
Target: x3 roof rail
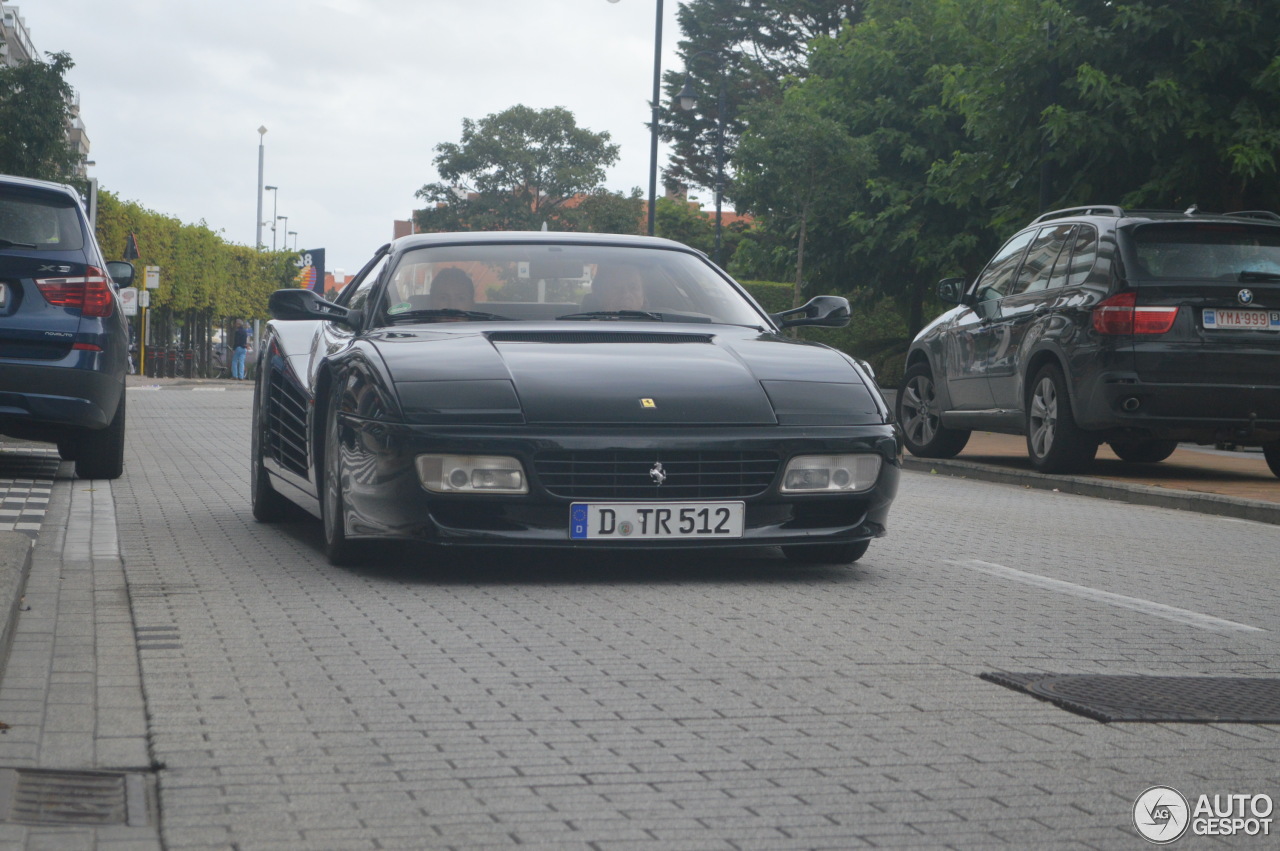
[[1093, 210]]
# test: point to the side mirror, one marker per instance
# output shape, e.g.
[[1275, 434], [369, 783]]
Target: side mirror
[[825, 311], [952, 291], [121, 272], [292, 304]]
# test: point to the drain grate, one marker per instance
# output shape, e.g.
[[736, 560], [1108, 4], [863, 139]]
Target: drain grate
[[1245, 700], [34, 796]]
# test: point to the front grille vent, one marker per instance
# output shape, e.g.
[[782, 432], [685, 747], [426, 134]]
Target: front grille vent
[[618, 474], [286, 440], [594, 337]]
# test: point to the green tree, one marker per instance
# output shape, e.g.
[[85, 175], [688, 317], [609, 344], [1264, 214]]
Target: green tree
[[513, 170], [603, 211], [1129, 101], [795, 166], [34, 113], [752, 47]]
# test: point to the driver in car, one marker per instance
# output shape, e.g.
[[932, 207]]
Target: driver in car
[[452, 289]]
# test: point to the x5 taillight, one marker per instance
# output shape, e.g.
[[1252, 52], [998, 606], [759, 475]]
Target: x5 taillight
[[90, 293], [1121, 314]]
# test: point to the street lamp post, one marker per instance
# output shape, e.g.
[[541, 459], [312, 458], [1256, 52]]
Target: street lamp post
[[275, 196], [655, 112], [257, 243], [294, 234], [687, 100], [286, 229]]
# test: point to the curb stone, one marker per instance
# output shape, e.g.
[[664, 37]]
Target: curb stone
[[15, 564], [1204, 503]]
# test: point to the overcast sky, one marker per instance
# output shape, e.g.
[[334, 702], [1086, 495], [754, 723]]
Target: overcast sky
[[355, 95]]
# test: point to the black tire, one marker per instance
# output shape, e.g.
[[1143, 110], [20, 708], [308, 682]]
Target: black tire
[[1143, 451], [99, 454], [1271, 452], [340, 551], [827, 553], [920, 417], [67, 448], [268, 505], [1054, 441]]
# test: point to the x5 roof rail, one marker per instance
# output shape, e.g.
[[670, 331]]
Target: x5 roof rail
[[1256, 214], [1096, 210]]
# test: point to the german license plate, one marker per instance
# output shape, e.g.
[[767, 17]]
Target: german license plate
[[642, 521], [1216, 319]]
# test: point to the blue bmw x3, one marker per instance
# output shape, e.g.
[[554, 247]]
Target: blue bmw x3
[[63, 337]]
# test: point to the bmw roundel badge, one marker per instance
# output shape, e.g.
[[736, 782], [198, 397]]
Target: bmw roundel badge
[[1245, 296]]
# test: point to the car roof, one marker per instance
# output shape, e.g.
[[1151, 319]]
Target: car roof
[[32, 183], [424, 240], [1121, 216]]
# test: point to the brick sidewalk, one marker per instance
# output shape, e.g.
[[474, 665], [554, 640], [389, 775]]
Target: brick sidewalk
[[1242, 475]]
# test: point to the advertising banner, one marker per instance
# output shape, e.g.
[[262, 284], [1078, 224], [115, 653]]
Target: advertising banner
[[311, 269]]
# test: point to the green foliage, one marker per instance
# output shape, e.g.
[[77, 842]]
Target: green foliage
[[876, 331], [684, 222], [795, 167], [199, 271], [750, 47], [514, 170], [34, 113]]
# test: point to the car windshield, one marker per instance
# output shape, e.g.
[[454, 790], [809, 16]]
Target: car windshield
[[565, 282], [43, 221], [1206, 251]]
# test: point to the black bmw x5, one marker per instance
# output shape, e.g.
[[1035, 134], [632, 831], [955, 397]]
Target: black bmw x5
[[1097, 324], [63, 340]]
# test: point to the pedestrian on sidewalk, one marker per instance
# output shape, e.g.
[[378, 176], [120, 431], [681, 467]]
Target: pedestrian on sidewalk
[[240, 341]]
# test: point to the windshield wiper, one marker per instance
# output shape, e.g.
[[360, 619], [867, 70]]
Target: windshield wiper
[[448, 313], [9, 243], [1251, 275], [615, 314]]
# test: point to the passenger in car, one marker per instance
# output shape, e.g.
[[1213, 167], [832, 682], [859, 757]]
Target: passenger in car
[[616, 288]]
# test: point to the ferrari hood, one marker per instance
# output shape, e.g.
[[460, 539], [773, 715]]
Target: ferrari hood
[[628, 377]]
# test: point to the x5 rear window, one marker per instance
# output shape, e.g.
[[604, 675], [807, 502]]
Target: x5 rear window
[[1208, 251]]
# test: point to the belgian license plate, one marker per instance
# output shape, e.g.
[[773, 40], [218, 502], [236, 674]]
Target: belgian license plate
[[641, 521], [1216, 319]]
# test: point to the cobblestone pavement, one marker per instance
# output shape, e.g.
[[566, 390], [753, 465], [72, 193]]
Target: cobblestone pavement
[[739, 702]]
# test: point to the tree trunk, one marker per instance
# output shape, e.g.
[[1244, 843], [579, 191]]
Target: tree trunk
[[797, 295]]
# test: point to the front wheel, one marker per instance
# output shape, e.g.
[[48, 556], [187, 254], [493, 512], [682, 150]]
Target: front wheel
[[1272, 453], [1054, 441], [827, 553], [920, 414], [100, 454], [1143, 451]]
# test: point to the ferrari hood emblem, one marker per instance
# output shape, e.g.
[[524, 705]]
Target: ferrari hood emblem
[[658, 474]]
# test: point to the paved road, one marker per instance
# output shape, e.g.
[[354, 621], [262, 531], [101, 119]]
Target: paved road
[[737, 702]]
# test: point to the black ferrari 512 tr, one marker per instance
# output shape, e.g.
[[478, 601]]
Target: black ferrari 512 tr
[[566, 390]]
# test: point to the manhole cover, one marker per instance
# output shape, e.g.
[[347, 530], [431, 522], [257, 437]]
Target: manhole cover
[[35, 796], [1247, 700]]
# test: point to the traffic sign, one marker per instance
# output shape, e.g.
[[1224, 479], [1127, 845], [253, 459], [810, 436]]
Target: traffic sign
[[153, 277]]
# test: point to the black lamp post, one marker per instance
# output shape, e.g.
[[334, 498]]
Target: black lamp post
[[687, 100], [655, 113]]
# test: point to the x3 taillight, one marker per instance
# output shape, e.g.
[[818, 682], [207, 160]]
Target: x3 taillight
[[89, 293], [1121, 314]]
